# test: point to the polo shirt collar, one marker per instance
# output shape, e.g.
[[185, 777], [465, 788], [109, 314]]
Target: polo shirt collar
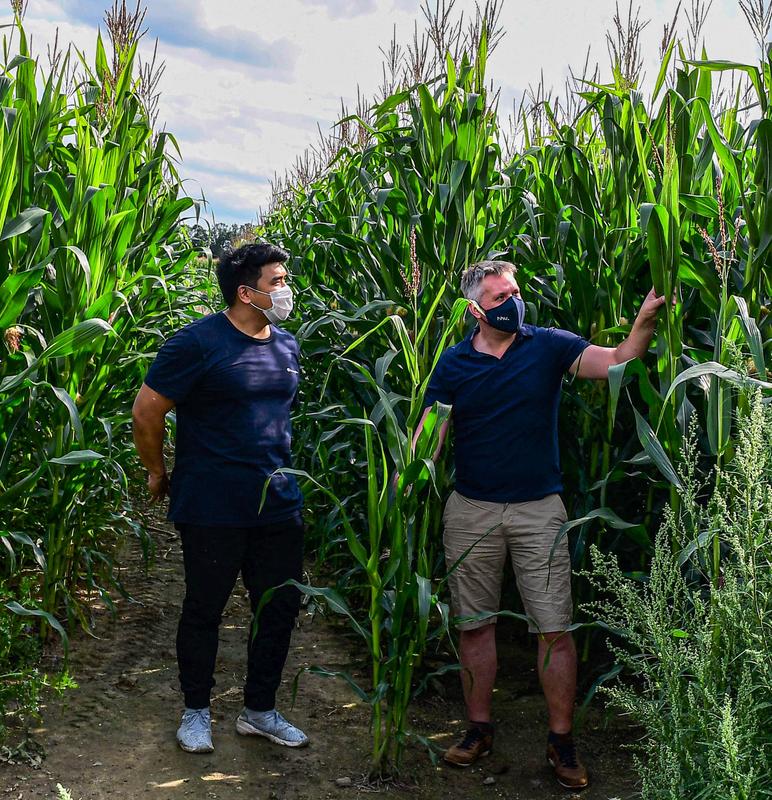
[[465, 345]]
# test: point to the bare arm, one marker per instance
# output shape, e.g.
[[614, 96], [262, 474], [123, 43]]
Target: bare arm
[[595, 361], [148, 414]]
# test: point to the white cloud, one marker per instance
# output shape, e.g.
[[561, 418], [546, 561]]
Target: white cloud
[[181, 23], [341, 8]]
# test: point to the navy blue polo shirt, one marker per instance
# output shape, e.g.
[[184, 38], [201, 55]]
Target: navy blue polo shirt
[[233, 397], [505, 413]]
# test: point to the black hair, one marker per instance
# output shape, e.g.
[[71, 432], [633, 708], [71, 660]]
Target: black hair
[[243, 266]]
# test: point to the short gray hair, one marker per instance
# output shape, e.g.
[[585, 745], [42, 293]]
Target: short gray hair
[[471, 280]]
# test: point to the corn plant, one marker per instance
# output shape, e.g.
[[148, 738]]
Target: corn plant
[[634, 192], [419, 184], [593, 209], [394, 549], [89, 210]]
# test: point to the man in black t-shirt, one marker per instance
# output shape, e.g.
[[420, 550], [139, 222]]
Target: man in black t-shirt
[[232, 378]]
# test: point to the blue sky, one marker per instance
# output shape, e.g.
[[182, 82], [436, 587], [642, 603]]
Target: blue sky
[[247, 82]]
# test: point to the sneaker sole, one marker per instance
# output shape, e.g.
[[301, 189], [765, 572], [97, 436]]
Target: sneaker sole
[[568, 785], [188, 749], [468, 763], [245, 729]]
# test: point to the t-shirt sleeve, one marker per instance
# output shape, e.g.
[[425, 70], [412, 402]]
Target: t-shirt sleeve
[[566, 347], [296, 351], [177, 367], [440, 388]]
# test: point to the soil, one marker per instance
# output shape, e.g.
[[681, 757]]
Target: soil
[[114, 736]]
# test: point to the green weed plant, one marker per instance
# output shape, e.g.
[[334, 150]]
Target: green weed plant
[[698, 642]]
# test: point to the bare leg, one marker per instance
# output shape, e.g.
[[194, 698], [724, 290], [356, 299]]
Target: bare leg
[[558, 679], [478, 660]]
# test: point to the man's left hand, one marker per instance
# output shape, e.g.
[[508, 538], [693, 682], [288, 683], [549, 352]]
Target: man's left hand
[[595, 361], [652, 303]]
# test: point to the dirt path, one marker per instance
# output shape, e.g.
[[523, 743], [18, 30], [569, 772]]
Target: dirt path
[[114, 736]]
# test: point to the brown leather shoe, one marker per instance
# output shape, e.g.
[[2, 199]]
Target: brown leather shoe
[[570, 772], [477, 743]]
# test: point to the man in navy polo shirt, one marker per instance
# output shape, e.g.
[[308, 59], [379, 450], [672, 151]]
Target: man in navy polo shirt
[[232, 377], [504, 382]]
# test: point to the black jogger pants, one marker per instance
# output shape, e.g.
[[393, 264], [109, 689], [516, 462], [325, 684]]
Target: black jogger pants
[[266, 556]]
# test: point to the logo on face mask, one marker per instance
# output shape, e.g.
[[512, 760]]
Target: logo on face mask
[[508, 316]]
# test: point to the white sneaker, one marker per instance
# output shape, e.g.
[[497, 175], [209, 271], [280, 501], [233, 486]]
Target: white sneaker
[[272, 725], [195, 732]]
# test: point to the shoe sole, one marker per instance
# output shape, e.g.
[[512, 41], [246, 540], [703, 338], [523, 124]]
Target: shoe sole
[[469, 763], [567, 785], [195, 749], [245, 729]]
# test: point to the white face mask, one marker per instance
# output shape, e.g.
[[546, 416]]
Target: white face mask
[[281, 304]]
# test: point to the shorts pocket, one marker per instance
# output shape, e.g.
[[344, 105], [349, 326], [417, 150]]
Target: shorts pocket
[[562, 513], [449, 505], [478, 506]]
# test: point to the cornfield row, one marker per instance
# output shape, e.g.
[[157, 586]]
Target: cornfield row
[[91, 270], [674, 191]]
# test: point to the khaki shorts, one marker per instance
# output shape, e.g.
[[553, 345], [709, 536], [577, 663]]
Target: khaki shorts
[[527, 531]]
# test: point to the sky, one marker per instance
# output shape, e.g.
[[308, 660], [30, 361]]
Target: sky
[[248, 83]]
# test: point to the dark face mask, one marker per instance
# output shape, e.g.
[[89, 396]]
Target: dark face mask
[[507, 317]]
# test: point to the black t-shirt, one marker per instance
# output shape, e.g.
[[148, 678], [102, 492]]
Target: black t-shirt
[[233, 395]]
